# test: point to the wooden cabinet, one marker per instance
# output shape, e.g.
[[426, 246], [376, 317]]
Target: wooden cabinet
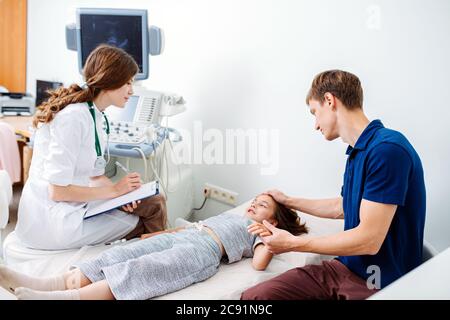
[[13, 44]]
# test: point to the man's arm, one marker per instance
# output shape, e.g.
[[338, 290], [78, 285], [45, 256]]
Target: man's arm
[[366, 239], [323, 208]]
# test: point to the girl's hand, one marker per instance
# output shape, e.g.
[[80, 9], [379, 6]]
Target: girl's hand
[[280, 241], [259, 229], [131, 206]]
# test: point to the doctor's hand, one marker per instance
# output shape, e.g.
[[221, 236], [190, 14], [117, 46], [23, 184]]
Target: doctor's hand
[[280, 241], [127, 184], [278, 196], [131, 206]]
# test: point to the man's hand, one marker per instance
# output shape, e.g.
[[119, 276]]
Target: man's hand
[[280, 241], [278, 196], [131, 206]]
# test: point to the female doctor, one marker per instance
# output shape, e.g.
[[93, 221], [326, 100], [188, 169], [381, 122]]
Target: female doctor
[[68, 164]]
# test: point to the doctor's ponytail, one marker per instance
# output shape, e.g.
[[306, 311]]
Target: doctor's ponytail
[[106, 68], [59, 99]]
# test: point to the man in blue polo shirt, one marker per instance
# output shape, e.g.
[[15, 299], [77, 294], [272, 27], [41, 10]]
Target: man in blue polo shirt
[[382, 203]]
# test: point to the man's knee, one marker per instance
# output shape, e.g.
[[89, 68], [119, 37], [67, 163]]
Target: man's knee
[[258, 292], [294, 284], [249, 294]]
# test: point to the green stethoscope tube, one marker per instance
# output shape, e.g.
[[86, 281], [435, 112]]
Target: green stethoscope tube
[[98, 147]]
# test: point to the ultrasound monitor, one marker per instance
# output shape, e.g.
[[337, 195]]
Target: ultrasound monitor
[[123, 28]]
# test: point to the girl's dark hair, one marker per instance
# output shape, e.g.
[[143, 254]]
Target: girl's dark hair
[[106, 68], [289, 220]]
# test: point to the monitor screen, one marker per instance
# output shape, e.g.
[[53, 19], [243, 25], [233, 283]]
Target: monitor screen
[[126, 29], [126, 113], [41, 90]]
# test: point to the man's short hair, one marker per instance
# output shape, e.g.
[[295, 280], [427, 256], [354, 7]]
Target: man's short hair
[[343, 85]]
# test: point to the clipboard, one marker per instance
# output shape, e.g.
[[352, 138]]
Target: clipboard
[[94, 208]]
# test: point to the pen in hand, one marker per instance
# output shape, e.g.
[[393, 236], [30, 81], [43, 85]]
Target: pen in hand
[[121, 166], [131, 206]]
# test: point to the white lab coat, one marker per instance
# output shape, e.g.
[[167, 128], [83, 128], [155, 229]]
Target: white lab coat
[[64, 154]]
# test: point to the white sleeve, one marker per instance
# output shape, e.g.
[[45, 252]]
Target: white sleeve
[[66, 131]]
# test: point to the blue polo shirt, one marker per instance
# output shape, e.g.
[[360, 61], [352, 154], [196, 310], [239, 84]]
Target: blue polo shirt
[[384, 167]]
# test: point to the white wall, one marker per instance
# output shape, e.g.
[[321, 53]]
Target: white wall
[[248, 64]]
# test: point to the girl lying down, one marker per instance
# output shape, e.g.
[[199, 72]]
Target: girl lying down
[[165, 261]]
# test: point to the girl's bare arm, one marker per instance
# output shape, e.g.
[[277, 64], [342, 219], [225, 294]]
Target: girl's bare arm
[[261, 257]]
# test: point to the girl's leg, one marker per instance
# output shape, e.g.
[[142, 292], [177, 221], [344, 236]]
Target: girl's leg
[[95, 291], [11, 279], [75, 279], [92, 269], [190, 260]]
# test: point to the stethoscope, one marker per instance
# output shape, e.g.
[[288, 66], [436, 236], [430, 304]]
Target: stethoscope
[[100, 162]]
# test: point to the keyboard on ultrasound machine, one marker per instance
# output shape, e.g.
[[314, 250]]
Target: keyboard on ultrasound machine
[[127, 132]]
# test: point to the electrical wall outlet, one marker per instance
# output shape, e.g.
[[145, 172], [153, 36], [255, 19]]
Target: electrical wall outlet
[[220, 194]]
